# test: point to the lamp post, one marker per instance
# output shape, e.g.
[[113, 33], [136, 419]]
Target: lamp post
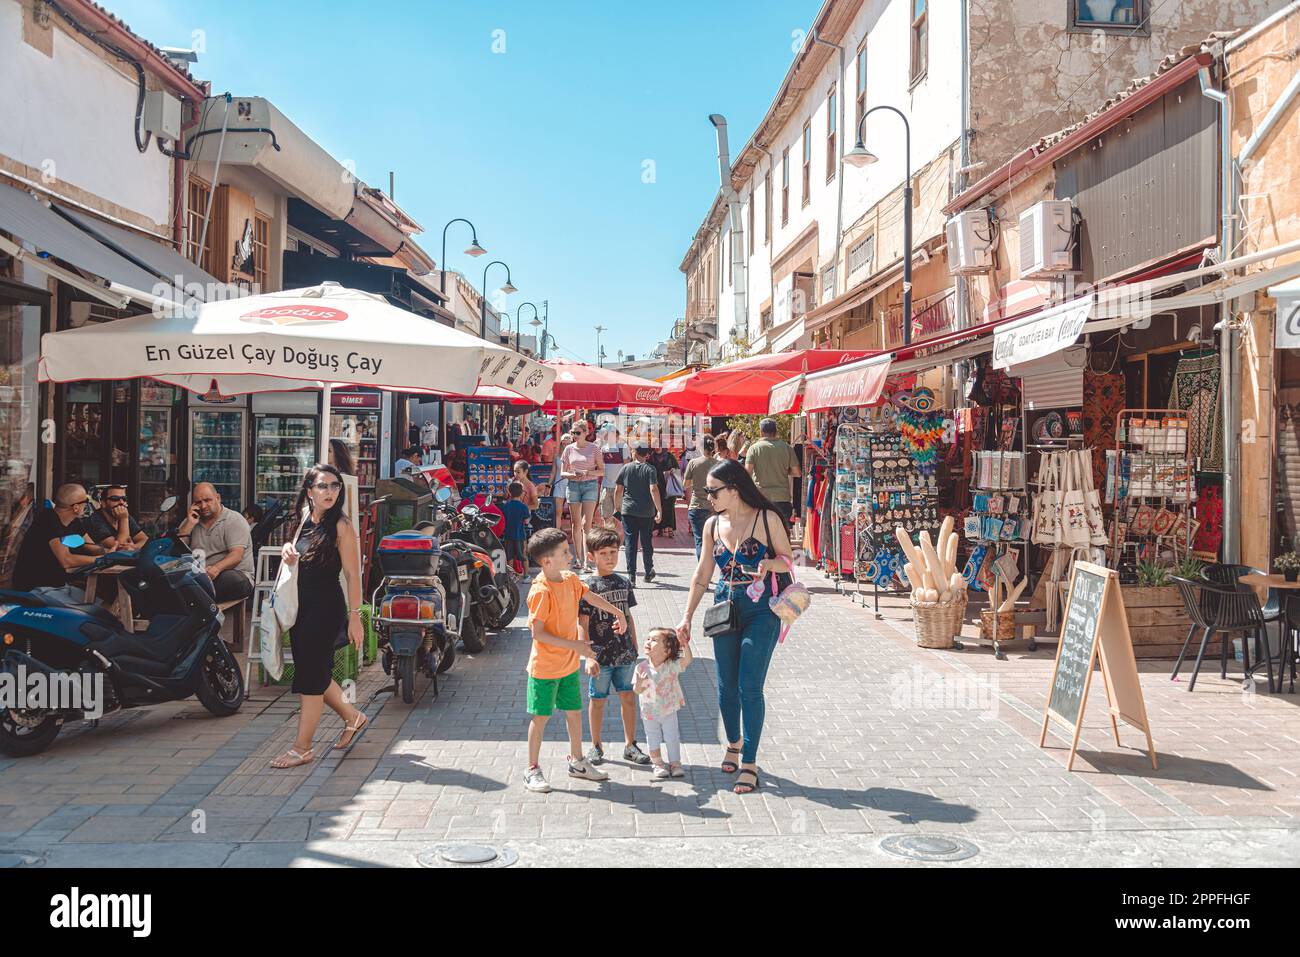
[[543, 335], [860, 156], [508, 288], [517, 316], [600, 353], [474, 250]]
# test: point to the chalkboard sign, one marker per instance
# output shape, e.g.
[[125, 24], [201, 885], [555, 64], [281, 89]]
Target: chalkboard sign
[[1095, 625], [544, 514], [1074, 655]]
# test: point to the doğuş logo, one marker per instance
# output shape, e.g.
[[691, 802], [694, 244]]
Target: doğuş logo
[[293, 315]]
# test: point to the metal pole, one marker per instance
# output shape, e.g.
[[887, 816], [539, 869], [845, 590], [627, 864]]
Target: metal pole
[[442, 263], [482, 303], [600, 357], [546, 325], [907, 209]]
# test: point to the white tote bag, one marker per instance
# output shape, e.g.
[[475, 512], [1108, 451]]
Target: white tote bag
[[1092, 500], [284, 597], [1047, 503], [271, 651], [1074, 508]]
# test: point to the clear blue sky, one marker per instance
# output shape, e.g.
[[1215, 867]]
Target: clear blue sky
[[542, 147]]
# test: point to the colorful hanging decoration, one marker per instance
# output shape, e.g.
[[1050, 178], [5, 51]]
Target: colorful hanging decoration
[[920, 422]]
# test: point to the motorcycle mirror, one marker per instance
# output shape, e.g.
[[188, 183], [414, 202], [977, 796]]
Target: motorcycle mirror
[[167, 504], [442, 494], [72, 541]]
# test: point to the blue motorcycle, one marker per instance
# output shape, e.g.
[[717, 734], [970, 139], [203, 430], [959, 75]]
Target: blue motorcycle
[[50, 632]]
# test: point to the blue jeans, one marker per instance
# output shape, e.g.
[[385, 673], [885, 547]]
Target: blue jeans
[[742, 657], [638, 527], [697, 517]]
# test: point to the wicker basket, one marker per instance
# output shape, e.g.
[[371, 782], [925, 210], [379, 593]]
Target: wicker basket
[[938, 623], [1006, 625]]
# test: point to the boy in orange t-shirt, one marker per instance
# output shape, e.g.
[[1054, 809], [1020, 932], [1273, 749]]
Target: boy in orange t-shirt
[[555, 664]]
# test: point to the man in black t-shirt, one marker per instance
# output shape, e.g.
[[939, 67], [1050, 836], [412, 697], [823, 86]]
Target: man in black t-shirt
[[43, 559], [636, 498], [112, 526], [615, 654]]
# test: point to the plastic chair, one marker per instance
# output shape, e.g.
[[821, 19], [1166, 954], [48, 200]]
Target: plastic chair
[[1219, 608], [1230, 575]]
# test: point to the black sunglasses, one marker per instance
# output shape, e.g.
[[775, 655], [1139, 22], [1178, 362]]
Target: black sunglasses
[[327, 486], [115, 498], [711, 492]]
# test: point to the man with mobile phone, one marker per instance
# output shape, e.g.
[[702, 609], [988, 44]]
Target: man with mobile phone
[[225, 541]]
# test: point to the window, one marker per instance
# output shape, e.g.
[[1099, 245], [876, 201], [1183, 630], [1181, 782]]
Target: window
[[261, 251], [828, 283], [832, 128], [807, 163], [753, 198], [785, 186], [199, 193], [1108, 13], [767, 207], [861, 253], [862, 86], [920, 38]]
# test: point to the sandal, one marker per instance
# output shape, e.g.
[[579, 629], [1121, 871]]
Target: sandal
[[353, 732], [293, 758], [729, 766], [743, 788]]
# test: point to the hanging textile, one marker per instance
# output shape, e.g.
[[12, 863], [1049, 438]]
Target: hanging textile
[[1196, 391], [1103, 401]]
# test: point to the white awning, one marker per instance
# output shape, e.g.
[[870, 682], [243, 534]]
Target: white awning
[[1041, 334], [1287, 334]]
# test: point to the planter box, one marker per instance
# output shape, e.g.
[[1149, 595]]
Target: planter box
[[1159, 625]]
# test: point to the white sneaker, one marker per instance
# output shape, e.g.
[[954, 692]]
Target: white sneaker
[[534, 780], [677, 770], [581, 769], [661, 772]]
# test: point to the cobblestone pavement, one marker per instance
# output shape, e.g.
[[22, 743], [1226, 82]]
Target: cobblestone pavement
[[867, 736]]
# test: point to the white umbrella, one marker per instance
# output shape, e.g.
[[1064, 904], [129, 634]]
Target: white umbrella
[[321, 336]]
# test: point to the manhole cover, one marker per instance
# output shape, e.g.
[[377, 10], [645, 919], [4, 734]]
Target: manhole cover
[[467, 855], [20, 859], [929, 847]]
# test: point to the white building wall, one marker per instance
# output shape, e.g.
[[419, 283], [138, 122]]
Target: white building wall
[[933, 107], [71, 115]]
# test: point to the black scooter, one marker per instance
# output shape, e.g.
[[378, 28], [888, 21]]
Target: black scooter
[[495, 580], [51, 632]]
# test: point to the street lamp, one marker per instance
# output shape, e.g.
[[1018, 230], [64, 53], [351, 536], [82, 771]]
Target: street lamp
[[474, 250], [600, 353], [860, 156], [508, 288], [519, 310], [543, 335]]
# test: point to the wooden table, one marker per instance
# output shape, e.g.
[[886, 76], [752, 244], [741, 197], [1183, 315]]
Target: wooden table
[[1257, 580], [122, 604]]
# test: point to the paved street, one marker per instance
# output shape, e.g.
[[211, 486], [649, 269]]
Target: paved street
[[868, 736]]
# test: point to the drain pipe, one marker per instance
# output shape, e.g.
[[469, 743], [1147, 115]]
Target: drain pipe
[[839, 167], [737, 251], [1227, 335], [963, 161]]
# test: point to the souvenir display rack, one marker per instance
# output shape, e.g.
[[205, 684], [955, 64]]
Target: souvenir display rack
[[851, 451], [997, 530], [1151, 483]]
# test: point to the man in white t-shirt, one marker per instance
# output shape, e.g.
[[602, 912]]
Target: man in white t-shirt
[[614, 453]]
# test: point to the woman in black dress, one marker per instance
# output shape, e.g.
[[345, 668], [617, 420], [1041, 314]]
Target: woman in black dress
[[323, 545], [664, 462]]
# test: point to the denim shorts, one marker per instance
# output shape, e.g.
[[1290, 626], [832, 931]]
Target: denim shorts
[[582, 492], [620, 676]]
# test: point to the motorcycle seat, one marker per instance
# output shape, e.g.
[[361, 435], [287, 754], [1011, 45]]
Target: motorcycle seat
[[159, 642], [72, 598]]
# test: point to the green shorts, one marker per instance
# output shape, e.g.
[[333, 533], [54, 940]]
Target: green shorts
[[554, 694]]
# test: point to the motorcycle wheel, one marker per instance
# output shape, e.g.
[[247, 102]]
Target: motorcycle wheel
[[21, 738], [471, 633], [406, 677], [505, 584], [448, 657], [220, 685]]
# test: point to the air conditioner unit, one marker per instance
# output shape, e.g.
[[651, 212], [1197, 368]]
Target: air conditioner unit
[[1047, 238], [970, 242]]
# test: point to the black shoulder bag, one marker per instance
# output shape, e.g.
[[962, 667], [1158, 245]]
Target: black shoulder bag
[[723, 617]]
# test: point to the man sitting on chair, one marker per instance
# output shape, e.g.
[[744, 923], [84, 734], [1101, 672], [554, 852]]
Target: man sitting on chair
[[223, 537], [112, 526]]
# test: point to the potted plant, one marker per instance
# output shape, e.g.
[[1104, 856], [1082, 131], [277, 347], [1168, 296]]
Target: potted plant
[[1152, 575], [1289, 565]]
